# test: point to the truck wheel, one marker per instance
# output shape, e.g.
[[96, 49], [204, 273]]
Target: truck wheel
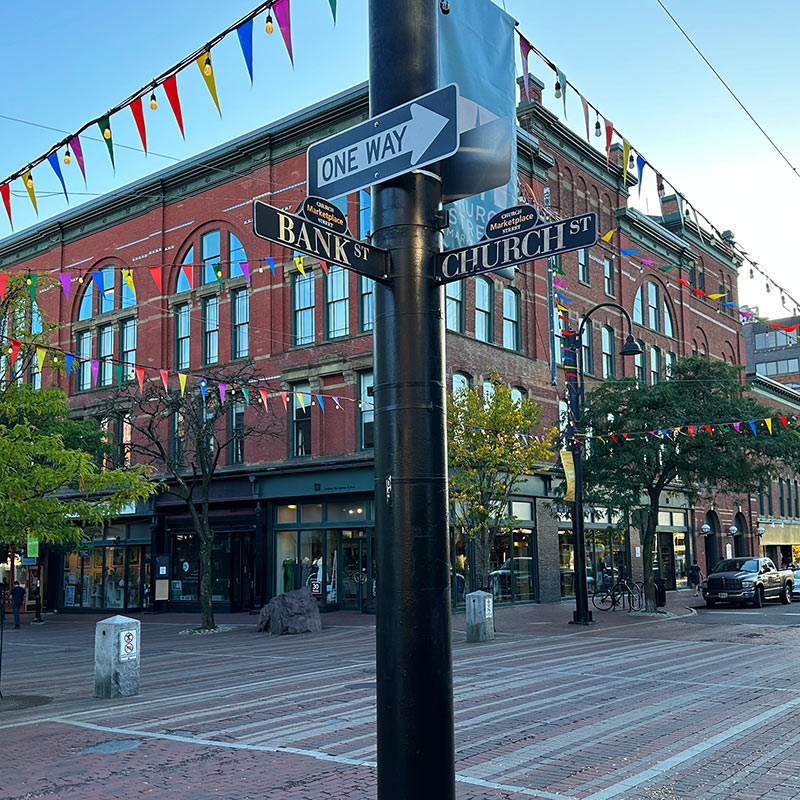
[[786, 594], [711, 603], [758, 597]]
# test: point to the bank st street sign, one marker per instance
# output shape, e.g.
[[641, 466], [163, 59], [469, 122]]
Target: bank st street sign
[[407, 137], [512, 241], [322, 241]]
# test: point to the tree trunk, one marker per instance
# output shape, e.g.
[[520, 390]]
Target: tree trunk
[[483, 552], [648, 543], [206, 547]]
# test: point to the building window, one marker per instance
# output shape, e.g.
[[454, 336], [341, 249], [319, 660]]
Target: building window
[[461, 382], [127, 340], [240, 318], [86, 310], [785, 366], [209, 249], [182, 284], [518, 395], [669, 328], [105, 353], [236, 447], [483, 309], [638, 308], [608, 352], [511, 319], [638, 363], [107, 298], [83, 375], [761, 502], [488, 392], [796, 500], [364, 208], [303, 301], [124, 433], [655, 365], [236, 255], [652, 307], [366, 304], [182, 336], [178, 437], [366, 412], [608, 276], [455, 306], [583, 266], [587, 348], [301, 419], [337, 316], [210, 330], [671, 361], [128, 296], [769, 499]]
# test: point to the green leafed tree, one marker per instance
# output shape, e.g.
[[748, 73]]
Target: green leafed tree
[[52, 482], [494, 441], [631, 472]]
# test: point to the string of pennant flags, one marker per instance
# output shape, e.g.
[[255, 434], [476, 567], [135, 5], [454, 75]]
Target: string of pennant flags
[[743, 427], [629, 163], [166, 82]]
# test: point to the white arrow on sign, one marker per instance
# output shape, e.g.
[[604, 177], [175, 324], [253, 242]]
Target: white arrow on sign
[[413, 137]]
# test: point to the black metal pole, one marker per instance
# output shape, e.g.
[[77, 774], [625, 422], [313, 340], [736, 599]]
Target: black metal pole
[[2, 627], [574, 380], [414, 660]]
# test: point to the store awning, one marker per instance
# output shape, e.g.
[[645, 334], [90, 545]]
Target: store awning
[[788, 534]]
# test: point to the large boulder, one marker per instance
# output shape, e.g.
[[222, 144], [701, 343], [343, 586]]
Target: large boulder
[[293, 612]]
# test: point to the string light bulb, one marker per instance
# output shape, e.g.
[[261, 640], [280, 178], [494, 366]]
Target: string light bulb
[[29, 182], [107, 133], [207, 66], [752, 274], [558, 89], [597, 130], [67, 157], [80, 278], [270, 26], [768, 290], [153, 101], [631, 162]]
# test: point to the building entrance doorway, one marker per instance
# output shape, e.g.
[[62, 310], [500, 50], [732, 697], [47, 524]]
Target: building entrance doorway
[[672, 564], [357, 577], [242, 572]]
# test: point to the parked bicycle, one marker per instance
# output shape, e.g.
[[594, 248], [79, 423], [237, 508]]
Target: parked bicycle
[[625, 593]]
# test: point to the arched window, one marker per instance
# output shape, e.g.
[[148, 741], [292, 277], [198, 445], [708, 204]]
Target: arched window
[[182, 284], [653, 321], [86, 308], [638, 307], [461, 382], [669, 328], [488, 392], [518, 394], [236, 255], [107, 299]]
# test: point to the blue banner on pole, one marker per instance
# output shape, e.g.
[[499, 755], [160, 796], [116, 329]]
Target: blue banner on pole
[[486, 79]]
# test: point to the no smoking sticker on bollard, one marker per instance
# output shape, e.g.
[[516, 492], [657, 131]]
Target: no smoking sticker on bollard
[[128, 646]]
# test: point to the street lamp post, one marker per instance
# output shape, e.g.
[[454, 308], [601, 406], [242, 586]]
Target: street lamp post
[[575, 391]]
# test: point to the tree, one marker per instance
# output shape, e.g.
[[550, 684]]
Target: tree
[[490, 450], [632, 472], [183, 436], [51, 482]]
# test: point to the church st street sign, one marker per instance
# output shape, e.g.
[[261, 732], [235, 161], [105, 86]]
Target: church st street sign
[[322, 242], [543, 241]]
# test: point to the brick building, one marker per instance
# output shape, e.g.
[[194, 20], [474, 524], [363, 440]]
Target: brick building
[[300, 505]]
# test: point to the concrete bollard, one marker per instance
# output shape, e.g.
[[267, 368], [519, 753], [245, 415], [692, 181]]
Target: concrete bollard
[[116, 657], [480, 617]]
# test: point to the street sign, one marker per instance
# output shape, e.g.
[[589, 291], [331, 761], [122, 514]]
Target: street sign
[[413, 135], [304, 236], [323, 213], [543, 241]]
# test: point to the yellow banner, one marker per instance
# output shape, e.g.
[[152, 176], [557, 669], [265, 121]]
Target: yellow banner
[[569, 471]]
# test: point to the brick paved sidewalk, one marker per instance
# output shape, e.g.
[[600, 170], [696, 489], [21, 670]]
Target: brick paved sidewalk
[[629, 708]]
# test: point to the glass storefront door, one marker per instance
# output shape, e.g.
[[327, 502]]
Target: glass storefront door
[[115, 577], [354, 576]]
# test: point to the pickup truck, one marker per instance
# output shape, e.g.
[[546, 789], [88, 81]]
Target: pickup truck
[[742, 580]]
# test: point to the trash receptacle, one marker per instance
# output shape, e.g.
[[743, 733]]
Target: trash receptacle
[[661, 592]]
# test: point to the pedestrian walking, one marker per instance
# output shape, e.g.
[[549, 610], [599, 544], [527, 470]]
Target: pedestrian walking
[[695, 576], [17, 599]]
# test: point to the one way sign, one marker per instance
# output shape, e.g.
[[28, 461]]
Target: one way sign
[[391, 144]]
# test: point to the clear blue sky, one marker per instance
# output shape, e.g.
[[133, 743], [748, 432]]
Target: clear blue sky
[[66, 63]]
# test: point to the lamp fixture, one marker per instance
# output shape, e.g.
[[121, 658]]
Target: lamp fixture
[[558, 89], [705, 529], [597, 129], [270, 26], [207, 66], [153, 101]]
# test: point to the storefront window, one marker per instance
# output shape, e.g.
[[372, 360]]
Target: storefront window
[[72, 580], [285, 561], [566, 559], [134, 577], [331, 576], [93, 578], [522, 565], [311, 559], [221, 568], [347, 512], [185, 569], [287, 515], [311, 512], [115, 577]]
